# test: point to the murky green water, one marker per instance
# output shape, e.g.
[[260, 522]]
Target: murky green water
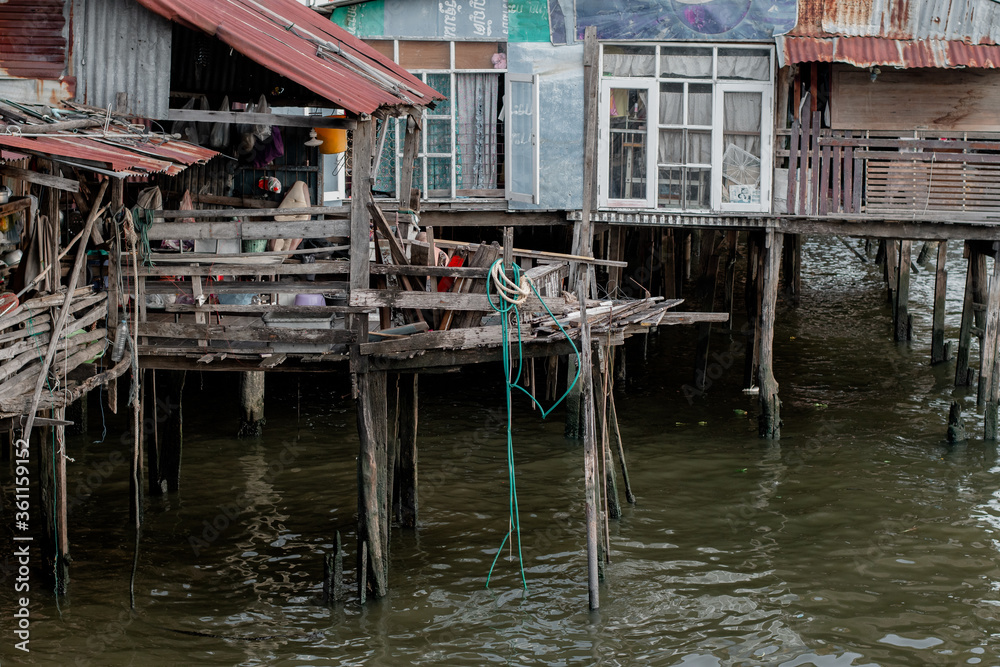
[[859, 539]]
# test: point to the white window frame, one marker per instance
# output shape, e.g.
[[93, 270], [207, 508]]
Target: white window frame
[[765, 87], [533, 197], [766, 145], [422, 154], [604, 140]]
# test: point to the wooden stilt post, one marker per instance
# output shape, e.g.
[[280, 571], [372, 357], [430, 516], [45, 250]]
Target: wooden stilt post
[[770, 404], [669, 251], [373, 513], [963, 374], [333, 574], [583, 232], [902, 310], [361, 194], [729, 282], [710, 280], [405, 479], [792, 270], [988, 370], [574, 421], [62, 522], [989, 351], [752, 297], [43, 450], [602, 389], [616, 252], [171, 440], [940, 350], [251, 404], [891, 268], [590, 450], [135, 489]]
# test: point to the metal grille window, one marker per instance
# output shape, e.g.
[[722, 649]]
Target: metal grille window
[[462, 138], [686, 127]]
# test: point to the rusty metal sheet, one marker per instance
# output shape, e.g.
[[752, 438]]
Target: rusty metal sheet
[[300, 44], [33, 38], [898, 33]]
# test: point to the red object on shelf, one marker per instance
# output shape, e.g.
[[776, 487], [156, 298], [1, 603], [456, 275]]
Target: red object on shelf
[[445, 283]]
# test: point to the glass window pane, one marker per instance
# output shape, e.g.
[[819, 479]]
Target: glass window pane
[[628, 144], [438, 135], [668, 194], [699, 147], [671, 103], [521, 133], [741, 147], [697, 188], [629, 60], [686, 62], [385, 179], [442, 84], [671, 147], [439, 176], [752, 64], [699, 104]]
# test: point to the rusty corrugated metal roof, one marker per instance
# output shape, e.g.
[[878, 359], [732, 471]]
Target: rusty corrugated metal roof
[[132, 156], [897, 33], [300, 44]]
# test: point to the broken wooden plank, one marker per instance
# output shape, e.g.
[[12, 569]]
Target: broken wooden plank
[[234, 229], [231, 333], [458, 339], [48, 180]]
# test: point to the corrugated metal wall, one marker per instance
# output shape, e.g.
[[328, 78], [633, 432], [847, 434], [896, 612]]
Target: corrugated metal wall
[[120, 46], [32, 38]]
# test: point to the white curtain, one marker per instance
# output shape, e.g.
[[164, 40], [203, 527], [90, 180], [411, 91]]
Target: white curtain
[[687, 65], [476, 116], [622, 64], [744, 64]]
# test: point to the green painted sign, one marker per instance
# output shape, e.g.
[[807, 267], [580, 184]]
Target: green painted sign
[[364, 20], [528, 20]]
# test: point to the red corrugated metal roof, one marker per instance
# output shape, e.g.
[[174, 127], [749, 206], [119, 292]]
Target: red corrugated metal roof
[[896, 33], [171, 157], [298, 43]]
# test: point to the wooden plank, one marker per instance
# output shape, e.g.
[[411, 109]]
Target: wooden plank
[[362, 179], [446, 300], [848, 205], [803, 179], [411, 146], [910, 144], [793, 157], [249, 230], [232, 333], [815, 157], [836, 176], [856, 187], [824, 179], [458, 339], [940, 349], [538, 254], [334, 212], [437, 271], [15, 205], [321, 267], [242, 117], [220, 308], [240, 202], [966, 158], [48, 180], [276, 287]]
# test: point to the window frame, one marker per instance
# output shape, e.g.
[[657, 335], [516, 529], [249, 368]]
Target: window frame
[[719, 87], [423, 156], [533, 197]]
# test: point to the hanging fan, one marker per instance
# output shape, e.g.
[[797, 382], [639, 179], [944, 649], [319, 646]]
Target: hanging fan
[[740, 167]]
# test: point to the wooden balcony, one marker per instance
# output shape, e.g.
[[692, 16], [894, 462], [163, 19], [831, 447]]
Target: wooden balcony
[[851, 175]]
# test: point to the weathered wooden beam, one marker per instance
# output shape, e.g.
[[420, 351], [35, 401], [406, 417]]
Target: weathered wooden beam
[[590, 465], [362, 179], [373, 514], [411, 146], [770, 404], [251, 404], [903, 321], [940, 350], [320, 267], [456, 339], [446, 301], [242, 117], [404, 497], [446, 218], [228, 332], [333, 212], [976, 264], [48, 180], [249, 230]]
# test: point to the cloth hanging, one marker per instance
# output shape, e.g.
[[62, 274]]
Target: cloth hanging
[[476, 115]]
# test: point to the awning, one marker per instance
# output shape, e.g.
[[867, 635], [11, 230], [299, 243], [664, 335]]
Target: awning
[[298, 43], [881, 51]]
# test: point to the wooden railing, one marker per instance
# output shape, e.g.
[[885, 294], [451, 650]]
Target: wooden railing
[[838, 172]]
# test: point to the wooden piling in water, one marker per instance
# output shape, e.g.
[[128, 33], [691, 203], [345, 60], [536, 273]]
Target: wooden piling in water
[[901, 311], [752, 296], [987, 395], [792, 269], [891, 270], [590, 453], [940, 350], [404, 496], [574, 422], [770, 404], [963, 374], [709, 282], [333, 573], [165, 456], [62, 506], [373, 514], [251, 404], [602, 388]]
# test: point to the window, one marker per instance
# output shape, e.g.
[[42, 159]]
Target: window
[[686, 127], [461, 143]]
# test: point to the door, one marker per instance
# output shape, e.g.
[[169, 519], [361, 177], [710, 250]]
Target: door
[[627, 157]]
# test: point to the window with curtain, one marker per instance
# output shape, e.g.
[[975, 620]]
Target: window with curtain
[[460, 152], [709, 128]]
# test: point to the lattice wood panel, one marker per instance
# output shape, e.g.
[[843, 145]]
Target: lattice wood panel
[[932, 186]]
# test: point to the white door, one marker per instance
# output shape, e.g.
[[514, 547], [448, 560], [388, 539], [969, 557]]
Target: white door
[[627, 150]]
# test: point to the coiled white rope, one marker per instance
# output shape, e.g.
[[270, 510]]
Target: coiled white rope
[[511, 292]]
